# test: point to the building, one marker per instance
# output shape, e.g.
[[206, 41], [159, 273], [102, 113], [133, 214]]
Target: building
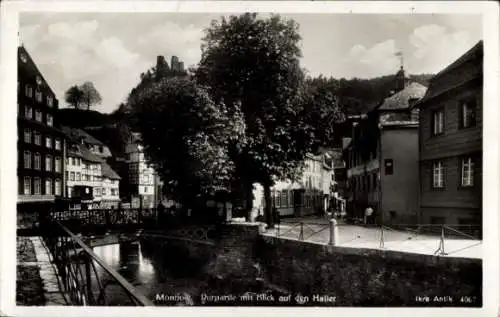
[[451, 143], [87, 169], [41, 143], [309, 195], [143, 184], [382, 157], [110, 189]]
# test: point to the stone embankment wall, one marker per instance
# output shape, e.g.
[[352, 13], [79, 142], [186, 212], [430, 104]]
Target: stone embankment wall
[[371, 277], [353, 276]]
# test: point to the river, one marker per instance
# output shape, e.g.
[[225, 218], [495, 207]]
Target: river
[[173, 278]]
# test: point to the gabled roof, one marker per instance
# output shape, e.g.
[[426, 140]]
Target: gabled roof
[[438, 86], [89, 156], [108, 172], [30, 67], [77, 134], [403, 98]]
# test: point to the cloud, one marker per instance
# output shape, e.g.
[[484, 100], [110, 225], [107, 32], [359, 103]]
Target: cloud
[[171, 39], [70, 53], [435, 47], [377, 60]]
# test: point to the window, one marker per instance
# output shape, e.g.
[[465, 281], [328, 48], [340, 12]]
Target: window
[[284, 199], [72, 176], [57, 144], [87, 177], [290, 199], [38, 138], [27, 136], [437, 122], [48, 186], [146, 179], [72, 161], [389, 166], [28, 112], [50, 120], [78, 176], [38, 161], [38, 186], [78, 161], [50, 101], [48, 142], [38, 96], [58, 165], [100, 149], [278, 199], [146, 189], [437, 174], [48, 163], [375, 181], [27, 159], [97, 191], [58, 187], [468, 114], [113, 192], [38, 116], [27, 185], [28, 91], [467, 172]]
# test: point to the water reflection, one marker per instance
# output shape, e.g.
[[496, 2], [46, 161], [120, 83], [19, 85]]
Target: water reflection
[[152, 270]]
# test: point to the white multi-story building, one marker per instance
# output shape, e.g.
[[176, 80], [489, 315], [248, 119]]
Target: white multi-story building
[[142, 178], [86, 167], [311, 194], [110, 189]]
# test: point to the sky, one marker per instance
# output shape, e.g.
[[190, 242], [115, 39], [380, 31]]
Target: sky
[[113, 49]]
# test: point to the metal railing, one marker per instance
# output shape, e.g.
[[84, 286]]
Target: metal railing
[[77, 267], [439, 240]]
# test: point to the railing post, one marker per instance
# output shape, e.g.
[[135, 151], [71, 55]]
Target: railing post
[[301, 234], [334, 232], [442, 241], [90, 295], [381, 236]]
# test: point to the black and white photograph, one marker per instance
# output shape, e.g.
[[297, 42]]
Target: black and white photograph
[[250, 155]]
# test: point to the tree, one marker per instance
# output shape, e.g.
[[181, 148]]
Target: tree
[[90, 94], [255, 62], [192, 156], [74, 96]]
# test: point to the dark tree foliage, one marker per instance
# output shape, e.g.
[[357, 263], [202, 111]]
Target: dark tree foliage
[[186, 135], [255, 62]]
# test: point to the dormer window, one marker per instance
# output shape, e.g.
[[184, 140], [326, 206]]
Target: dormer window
[[50, 101]]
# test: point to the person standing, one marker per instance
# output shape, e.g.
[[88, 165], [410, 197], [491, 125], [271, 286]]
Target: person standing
[[369, 215]]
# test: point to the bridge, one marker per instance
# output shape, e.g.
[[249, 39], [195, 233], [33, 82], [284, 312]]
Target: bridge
[[69, 236]]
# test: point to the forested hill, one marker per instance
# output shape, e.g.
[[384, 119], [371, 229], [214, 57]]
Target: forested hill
[[107, 128], [356, 95], [361, 95]]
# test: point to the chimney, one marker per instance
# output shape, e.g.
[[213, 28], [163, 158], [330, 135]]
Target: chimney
[[400, 79]]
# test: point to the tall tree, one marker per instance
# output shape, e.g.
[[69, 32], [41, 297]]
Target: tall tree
[[255, 62], [185, 134], [91, 96], [74, 96]]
